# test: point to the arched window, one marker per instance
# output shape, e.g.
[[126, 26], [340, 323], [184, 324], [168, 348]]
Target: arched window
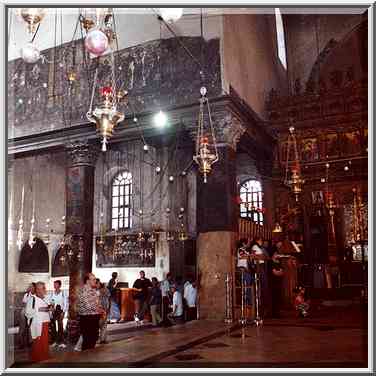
[[121, 215], [251, 201], [280, 37]]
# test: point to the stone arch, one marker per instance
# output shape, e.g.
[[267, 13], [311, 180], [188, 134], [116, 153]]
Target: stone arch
[[336, 57]]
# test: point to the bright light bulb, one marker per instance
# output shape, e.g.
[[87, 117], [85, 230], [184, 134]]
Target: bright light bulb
[[171, 15], [146, 147], [160, 119]]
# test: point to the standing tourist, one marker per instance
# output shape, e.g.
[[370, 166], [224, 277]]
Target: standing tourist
[[190, 297], [89, 311], [38, 314], [59, 303], [166, 299], [177, 306], [260, 257], [141, 285], [24, 329], [155, 302], [114, 315], [243, 253]]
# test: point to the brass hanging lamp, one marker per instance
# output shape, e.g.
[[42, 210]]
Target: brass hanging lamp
[[295, 182], [206, 145]]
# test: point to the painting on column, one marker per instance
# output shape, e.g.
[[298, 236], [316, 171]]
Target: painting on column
[[351, 143], [310, 150], [331, 145]]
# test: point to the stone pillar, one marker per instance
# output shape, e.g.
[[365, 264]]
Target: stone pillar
[[81, 157], [217, 221]]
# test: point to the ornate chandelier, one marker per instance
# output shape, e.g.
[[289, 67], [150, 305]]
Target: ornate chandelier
[[32, 16], [106, 116], [295, 183], [206, 151]]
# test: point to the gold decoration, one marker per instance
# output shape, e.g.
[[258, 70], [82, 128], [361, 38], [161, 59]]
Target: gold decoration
[[277, 228]]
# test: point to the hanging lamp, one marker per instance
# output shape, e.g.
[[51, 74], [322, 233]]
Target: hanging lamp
[[295, 182], [105, 115], [32, 16], [206, 145]]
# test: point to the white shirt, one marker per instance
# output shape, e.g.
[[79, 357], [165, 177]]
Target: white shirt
[[26, 297], [58, 299], [165, 287], [190, 295], [178, 302], [37, 317], [242, 261]]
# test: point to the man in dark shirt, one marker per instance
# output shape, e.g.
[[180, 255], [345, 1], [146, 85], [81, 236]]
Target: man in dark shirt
[[141, 285]]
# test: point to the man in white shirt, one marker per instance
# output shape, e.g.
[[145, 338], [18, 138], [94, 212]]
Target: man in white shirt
[[243, 254], [177, 306], [38, 314], [58, 300], [190, 296]]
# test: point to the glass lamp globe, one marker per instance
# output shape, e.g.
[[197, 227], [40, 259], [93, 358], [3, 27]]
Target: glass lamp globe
[[96, 42], [171, 15], [30, 53]]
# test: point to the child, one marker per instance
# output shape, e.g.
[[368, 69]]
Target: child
[[301, 304]]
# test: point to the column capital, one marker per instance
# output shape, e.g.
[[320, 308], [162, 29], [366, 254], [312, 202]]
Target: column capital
[[227, 127], [81, 153]]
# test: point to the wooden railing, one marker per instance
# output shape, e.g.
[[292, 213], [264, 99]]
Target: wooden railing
[[248, 229]]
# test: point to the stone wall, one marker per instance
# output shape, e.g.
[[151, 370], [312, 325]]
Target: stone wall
[[43, 178], [250, 58], [301, 39], [156, 74]]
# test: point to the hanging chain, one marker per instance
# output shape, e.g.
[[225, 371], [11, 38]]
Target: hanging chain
[[212, 130], [93, 91]]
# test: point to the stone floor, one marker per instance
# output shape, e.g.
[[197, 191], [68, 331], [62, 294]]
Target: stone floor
[[333, 337]]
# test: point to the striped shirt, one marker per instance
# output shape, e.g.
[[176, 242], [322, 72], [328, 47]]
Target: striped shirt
[[88, 301]]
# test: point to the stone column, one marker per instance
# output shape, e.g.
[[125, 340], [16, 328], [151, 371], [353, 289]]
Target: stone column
[[81, 157], [217, 220]]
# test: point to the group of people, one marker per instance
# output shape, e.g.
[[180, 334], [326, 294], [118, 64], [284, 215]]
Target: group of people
[[41, 313], [169, 302], [259, 256]]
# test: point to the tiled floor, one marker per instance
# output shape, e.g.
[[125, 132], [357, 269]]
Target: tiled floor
[[334, 337]]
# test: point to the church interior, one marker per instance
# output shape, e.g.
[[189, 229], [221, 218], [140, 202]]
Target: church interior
[[221, 151]]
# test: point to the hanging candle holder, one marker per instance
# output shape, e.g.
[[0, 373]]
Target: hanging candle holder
[[182, 236], [152, 238], [206, 150], [295, 183], [32, 16], [170, 236], [106, 117]]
